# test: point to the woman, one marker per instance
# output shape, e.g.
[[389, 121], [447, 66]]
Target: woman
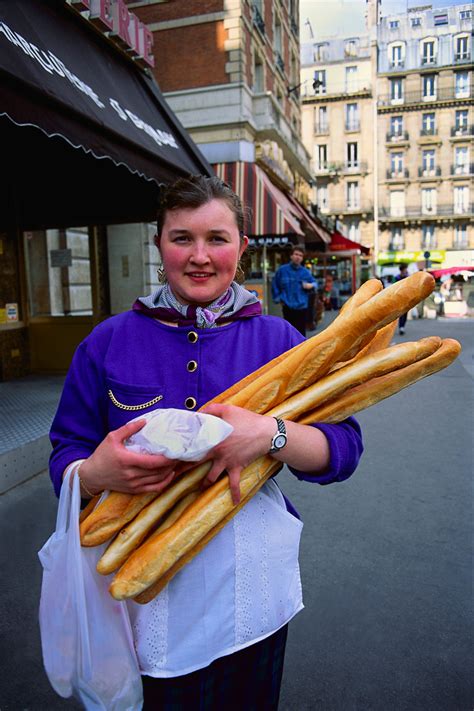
[[216, 634]]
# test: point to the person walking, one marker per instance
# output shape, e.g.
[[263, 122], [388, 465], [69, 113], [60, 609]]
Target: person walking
[[215, 637], [403, 273], [290, 287]]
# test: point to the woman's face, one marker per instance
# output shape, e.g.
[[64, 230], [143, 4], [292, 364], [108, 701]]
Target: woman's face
[[200, 248]]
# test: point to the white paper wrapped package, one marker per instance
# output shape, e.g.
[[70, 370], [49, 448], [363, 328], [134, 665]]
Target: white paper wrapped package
[[178, 434]]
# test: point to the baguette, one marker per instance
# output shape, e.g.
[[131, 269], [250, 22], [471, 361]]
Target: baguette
[[365, 292], [87, 510], [154, 557], [313, 358], [154, 589], [130, 537], [358, 372], [380, 388], [380, 340], [110, 515]]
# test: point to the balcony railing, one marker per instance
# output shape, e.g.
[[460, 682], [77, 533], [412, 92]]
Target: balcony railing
[[396, 246], [397, 136], [464, 169], [402, 173], [429, 131], [352, 166], [428, 60], [415, 97], [462, 130], [422, 212], [294, 27], [429, 172], [322, 129], [353, 125], [350, 207], [258, 20], [462, 57]]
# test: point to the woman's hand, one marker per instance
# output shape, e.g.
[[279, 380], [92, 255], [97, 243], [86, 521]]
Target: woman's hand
[[113, 467], [250, 440]]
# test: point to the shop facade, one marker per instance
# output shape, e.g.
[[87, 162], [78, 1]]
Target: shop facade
[[86, 147]]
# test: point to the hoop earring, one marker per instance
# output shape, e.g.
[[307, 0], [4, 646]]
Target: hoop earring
[[239, 276], [162, 279]]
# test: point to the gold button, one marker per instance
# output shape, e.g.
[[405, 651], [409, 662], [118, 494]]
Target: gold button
[[192, 336], [192, 366], [190, 403]]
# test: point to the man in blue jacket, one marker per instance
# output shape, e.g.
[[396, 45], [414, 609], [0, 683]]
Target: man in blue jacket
[[290, 287]]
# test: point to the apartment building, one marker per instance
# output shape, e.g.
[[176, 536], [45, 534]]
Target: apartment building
[[425, 127], [337, 123]]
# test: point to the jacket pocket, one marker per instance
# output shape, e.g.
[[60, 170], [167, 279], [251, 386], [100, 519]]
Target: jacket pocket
[[126, 401]]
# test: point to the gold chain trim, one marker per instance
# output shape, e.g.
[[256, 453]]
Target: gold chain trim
[[133, 407]]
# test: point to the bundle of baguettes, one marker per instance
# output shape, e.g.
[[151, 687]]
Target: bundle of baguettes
[[355, 374]]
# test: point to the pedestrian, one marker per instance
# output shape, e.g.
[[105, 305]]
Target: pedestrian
[[215, 637], [403, 273], [290, 287]]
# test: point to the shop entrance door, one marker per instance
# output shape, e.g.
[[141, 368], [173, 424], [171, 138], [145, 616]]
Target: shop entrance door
[[59, 268]]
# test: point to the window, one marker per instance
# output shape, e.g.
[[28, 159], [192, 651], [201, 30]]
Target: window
[[397, 203], [322, 198], [352, 155], [352, 196], [394, 24], [321, 157], [396, 239], [396, 125], [428, 52], [428, 201], [321, 119], [416, 21], [441, 19], [461, 118], [460, 237], [277, 35], [321, 52], [429, 87], [428, 237], [396, 58], [351, 79], [353, 230], [351, 47], [461, 200], [428, 161], [396, 90], [396, 163], [352, 117], [461, 160], [428, 124], [462, 85], [319, 81], [465, 15], [258, 76], [462, 48]]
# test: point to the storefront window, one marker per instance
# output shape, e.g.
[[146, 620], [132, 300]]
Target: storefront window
[[58, 272]]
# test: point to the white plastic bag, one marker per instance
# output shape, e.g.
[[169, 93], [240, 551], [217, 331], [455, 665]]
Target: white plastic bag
[[178, 434], [86, 636]]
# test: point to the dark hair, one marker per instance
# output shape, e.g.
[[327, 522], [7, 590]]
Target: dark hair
[[298, 248], [195, 191]]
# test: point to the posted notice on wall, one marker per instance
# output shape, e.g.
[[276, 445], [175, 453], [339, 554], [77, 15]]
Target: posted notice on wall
[[11, 312]]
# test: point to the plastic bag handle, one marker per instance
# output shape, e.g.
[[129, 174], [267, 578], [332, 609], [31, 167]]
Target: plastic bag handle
[[68, 498]]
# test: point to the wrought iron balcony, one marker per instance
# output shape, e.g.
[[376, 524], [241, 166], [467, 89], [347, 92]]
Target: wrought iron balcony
[[416, 97], [322, 129], [462, 130], [429, 172], [348, 208], [394, 174], [397, 136], [396, 246], [429, 131], [280, 64], [353, 125], [463, 169], [422, 212], [462, 58]]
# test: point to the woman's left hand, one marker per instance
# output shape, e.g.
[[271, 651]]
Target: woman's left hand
[[250, 440]]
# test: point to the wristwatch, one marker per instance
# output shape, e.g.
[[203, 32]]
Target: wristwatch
[[280, 438]]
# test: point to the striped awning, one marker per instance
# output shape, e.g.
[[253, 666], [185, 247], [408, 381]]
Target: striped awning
[[272, 215]]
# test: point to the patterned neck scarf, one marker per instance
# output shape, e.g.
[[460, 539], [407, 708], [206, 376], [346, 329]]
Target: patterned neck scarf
[[234, 303]]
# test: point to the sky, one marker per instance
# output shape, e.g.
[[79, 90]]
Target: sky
[[346, 17]]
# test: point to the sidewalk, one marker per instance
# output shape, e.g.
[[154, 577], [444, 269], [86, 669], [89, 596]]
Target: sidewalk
[[27, 407]]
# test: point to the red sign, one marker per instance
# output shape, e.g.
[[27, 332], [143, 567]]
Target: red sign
[[121, 25]]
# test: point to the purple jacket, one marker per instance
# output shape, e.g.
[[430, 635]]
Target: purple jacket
[[132, 360]]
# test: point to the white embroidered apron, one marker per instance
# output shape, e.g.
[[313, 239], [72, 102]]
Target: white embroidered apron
[[243, 586]]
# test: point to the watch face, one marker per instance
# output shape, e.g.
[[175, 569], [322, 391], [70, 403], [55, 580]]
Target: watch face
[[279, 441]]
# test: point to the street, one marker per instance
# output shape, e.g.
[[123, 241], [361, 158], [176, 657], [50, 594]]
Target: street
[[385, 561]]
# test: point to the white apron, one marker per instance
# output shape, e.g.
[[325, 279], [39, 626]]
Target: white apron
[[243, 586]]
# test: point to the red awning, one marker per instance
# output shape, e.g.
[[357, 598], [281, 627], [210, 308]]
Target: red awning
[[340, 243], [449, 270], [271, 214]]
